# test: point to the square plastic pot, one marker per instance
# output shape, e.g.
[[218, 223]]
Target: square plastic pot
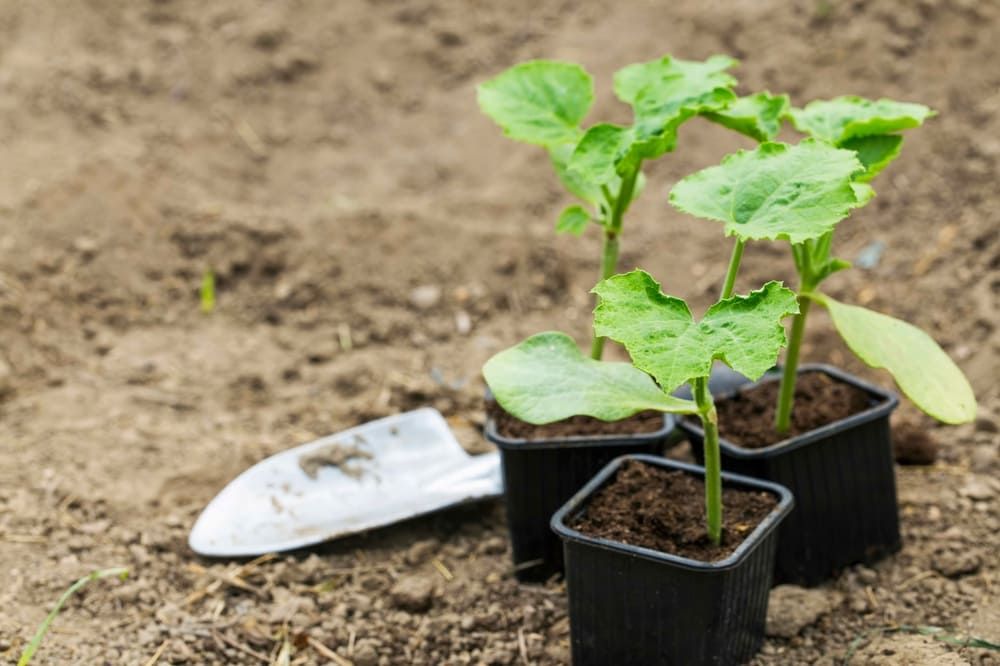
[[540, 475], [635, 606], [843, 479]]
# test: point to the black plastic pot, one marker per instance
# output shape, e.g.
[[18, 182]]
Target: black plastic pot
[[540, 475], [635, 606], [843, 479]]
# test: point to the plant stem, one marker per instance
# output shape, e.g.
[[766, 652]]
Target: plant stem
[[734, 268], [612, 230], [713, 463], [609, 261], [783, 415]]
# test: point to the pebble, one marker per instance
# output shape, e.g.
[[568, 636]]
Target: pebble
[[463, 322], [978, 490], [421, 551], [981, 459], [366, 653], [412, 593], [791, 609], [425, 297], [953, 564], [987, 423]]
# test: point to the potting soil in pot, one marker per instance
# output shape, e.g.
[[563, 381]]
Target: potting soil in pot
[[747, 419], [577, 426], [665, 511]]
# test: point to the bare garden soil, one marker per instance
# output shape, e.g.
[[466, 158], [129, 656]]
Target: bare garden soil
[[375, 240]]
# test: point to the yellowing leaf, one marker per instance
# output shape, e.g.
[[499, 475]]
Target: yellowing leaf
[[923, 371]]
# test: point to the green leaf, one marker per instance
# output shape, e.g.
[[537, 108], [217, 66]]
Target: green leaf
[[540, 102], [842, 118], [923, 371], [587, 190], [875, 152], [600, 150], [546, 378], [574, 220], [757, 116], [776, 191], [666, 92], [665, 341]]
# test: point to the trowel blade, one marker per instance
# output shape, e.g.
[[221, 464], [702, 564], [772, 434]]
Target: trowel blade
[[369, 476]]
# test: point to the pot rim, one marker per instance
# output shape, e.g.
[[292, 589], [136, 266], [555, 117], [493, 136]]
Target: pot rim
[[493, 435], [888, 401], [770, 523]]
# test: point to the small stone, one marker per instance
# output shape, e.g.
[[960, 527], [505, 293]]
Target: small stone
[[493, 546], [977, 490], [425, 297], [366, 653], [954, 564], [463, 323], [87, 249], [791, 609], [912, 445], [867, 576], [421, 551], [980, 460], [987, 423], [412, 593]]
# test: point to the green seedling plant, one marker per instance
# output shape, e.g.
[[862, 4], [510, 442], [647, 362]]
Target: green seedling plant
[[36, 641], [544, 103], [799, 194], [546, 378]]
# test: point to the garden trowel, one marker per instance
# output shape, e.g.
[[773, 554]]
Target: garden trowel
[[372, 475]]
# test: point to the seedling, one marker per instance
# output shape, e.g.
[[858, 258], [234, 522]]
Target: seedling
[[544, 103], [799, 194], [546, 378], [36, 640]]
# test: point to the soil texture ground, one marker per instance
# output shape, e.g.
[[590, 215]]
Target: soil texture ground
[[374, 239]]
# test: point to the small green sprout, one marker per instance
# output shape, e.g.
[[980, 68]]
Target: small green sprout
[[207, 292], [29, 651], [545, 102], [546, 378]]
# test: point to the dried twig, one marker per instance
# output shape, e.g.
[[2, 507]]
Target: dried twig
[[443, 570], [219, 636], [156, 655], [328, 653]]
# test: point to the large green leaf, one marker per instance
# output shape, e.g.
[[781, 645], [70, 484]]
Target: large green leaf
[[546, 378], [665, 341], [776, 191], [540, 102], [842, 118], [757, 116], [875, 152], [923, 371]]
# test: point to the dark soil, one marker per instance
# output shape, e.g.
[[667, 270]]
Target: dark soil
[[664, 510], [578, 426], [747, 418]]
